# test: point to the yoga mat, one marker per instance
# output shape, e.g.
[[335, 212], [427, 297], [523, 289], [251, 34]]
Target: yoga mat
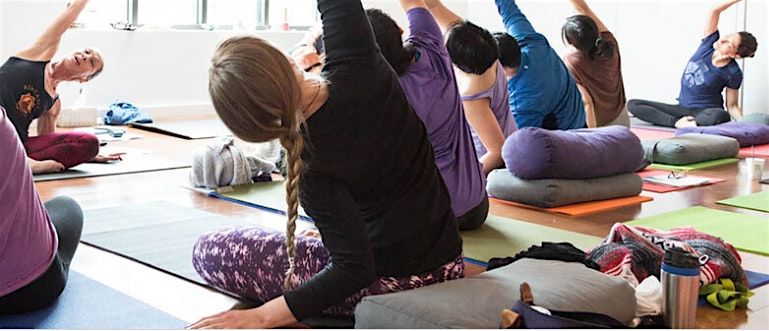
[[756, 201], [132, 163], [638, 123], [157, 234], [758, 151], [652, 134], [200, 129], [269, 196], [585, 208], [756, 279], [744, 232], [693, 166], [88, 304], [500, 237], [660, 188]]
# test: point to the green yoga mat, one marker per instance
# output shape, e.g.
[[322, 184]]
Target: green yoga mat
[[693, 166], [756, 201], [501, 236], [744, 232], [269, 196]]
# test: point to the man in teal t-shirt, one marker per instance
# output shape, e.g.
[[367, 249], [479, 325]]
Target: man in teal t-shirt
[[542, 91]]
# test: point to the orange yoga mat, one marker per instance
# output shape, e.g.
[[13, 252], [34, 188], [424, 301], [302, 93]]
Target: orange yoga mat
[[659, 188], [760, 151], [585, 208], [651, 134]]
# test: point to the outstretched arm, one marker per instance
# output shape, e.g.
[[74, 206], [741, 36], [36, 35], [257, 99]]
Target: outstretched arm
[[583, 9], [715, 16], [445, 17], [516, 24], [47, 44], [411, 4]]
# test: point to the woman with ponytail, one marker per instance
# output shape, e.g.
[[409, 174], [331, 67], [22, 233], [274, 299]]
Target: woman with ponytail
[[360, 162], [427, 77], [596, 66]]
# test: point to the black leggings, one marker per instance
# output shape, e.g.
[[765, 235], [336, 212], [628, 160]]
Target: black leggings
[[474, 218], [667, 115], [67, 218]]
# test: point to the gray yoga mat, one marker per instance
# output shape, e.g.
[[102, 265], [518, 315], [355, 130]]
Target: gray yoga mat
[[158, 234], [200, 129], [132, 163]]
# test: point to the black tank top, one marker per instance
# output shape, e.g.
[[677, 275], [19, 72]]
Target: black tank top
[[23, 94]]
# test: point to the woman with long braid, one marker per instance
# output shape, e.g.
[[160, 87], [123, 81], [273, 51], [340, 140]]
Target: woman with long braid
[[360, 162]]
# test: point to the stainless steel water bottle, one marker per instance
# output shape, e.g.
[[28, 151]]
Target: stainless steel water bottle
[[680, 278]]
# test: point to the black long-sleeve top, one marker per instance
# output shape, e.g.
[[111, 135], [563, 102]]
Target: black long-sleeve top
[[369, 182]]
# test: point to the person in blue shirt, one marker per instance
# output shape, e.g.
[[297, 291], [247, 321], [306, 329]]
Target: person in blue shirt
[[710, 70], [542, 91]]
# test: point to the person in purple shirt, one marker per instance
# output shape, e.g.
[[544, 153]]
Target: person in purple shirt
[[710, 70], [427, 77], [481, 82], [37, 241]]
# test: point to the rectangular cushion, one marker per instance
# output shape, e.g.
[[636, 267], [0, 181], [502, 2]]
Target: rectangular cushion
[[477, 302], [549, 193], [690, 148]]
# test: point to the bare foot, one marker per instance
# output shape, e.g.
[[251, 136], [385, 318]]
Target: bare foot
[[686, 122]]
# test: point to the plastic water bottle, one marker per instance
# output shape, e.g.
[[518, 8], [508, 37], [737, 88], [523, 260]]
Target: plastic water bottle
[[680, 277]]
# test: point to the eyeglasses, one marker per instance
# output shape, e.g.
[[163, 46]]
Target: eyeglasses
[[677, 175]]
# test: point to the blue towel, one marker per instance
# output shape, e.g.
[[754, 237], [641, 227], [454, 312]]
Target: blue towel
[[121, 113]]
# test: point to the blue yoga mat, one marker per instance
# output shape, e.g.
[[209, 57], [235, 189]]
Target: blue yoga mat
[[88, 304], [756, 279]]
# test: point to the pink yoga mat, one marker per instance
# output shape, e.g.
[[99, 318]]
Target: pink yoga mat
[[651, 134], [760, 151]]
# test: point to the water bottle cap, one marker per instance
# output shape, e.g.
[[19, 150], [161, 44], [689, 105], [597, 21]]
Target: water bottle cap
[[676, 257]]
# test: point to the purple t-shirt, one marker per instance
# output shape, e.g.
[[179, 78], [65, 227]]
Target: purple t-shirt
[[498, 101], [431, 88], [27, 238], [702, 82]]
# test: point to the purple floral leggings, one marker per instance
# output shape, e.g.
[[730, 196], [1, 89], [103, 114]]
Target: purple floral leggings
[[251, 263]]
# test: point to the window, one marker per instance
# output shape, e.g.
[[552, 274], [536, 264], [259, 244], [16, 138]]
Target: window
[[238, 13], [99, 14], [166, 13], [297, 13]]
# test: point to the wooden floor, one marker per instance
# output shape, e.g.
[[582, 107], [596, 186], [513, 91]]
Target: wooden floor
[[190, 302]]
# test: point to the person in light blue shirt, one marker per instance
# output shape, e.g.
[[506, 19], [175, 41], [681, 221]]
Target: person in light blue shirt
[[542, 91]]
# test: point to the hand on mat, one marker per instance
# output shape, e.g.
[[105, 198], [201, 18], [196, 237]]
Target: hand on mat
[[686, 122], [233, 319], [311, 233], [107, 158], [44, 167]]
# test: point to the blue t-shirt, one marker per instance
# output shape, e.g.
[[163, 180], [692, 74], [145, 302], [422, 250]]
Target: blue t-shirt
[[543, 85], [702, 82]]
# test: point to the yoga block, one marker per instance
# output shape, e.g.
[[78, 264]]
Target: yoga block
[[550, 193], [746, 134], [534, 153], [477, 302], [690, 148]]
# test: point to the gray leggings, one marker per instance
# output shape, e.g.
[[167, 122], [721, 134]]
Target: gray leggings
[[67, 218], [667, 115]]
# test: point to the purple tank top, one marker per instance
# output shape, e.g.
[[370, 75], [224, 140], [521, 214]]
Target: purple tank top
[[27, 238], [498, 99]]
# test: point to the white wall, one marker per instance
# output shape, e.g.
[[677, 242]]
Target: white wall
[[168, 68]]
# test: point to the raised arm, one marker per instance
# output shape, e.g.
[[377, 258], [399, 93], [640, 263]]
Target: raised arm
[[445, 17], [715, 16], [411, 4], [346, 30], [516, 24], [583, 9], [45, 47]]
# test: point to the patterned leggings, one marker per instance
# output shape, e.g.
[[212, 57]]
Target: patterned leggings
[[251, 263], [67, 148]]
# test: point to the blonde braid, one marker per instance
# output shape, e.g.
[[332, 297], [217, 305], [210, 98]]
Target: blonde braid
[[294, 144]]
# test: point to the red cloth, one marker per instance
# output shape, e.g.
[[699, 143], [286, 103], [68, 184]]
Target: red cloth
[[68, 148]]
